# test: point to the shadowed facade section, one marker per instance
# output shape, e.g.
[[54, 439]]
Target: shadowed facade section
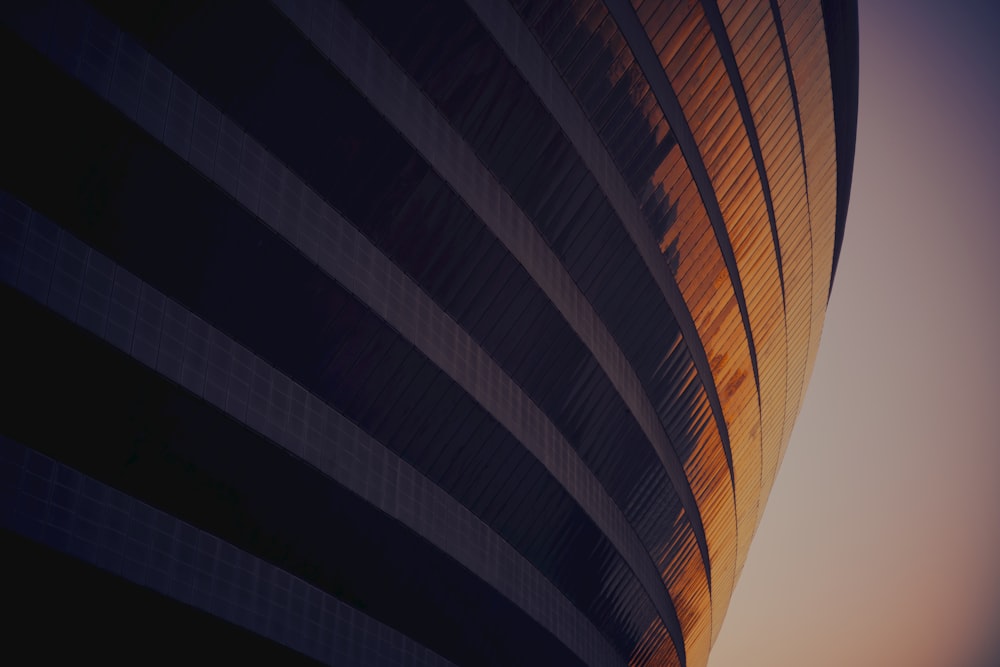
[[457, 334]]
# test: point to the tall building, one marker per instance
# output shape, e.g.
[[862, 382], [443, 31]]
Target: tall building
[[437, 332]]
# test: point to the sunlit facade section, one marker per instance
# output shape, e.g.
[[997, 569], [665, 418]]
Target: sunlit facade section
[[804, 30], [456, 332], [758, 51], [696, 72]]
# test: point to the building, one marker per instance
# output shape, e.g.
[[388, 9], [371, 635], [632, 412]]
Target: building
[[463, 333]]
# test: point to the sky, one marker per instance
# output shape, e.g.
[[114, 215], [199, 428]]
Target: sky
[[880, 545]]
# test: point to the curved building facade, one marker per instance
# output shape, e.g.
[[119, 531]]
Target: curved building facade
[[443, 332]]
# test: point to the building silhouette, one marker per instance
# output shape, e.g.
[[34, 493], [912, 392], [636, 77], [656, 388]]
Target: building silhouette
[[408, 333]]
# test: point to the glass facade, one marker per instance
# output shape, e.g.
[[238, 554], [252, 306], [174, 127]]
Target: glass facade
[[467, 333]]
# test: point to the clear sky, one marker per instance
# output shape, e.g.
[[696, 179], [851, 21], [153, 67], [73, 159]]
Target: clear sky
[[880, 545]]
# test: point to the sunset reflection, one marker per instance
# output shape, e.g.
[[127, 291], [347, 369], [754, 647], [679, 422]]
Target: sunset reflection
[[765, 210]]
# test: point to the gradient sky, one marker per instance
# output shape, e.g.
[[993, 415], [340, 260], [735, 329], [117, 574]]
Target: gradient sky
[[880, 545]]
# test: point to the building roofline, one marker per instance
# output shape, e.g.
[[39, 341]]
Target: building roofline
[[841, 20]]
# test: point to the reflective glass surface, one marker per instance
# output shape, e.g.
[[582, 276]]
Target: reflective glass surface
[[481, 325]]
